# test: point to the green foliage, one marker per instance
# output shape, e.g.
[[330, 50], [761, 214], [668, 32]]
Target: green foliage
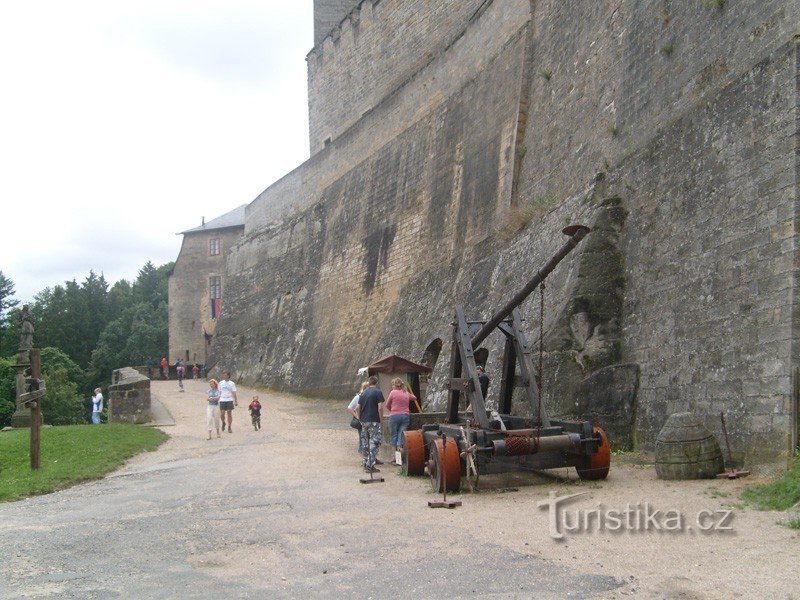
[[62, 405], [69, 455], [140, 332], [778, 495], [8, 391], [152, 284], [9, 334], [120, 296], [86, 331], [7, 302], [66, 401], [71, 317], [54, 360]]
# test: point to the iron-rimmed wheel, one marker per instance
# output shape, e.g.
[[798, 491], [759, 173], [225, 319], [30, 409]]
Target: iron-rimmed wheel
[[413, 453], [445, 460], [597, 465]]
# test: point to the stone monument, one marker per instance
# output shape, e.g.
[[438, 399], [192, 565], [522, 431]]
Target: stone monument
[[22, 415]]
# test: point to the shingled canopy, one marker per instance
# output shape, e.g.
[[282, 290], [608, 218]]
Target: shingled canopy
[[389, 367], [396, 364]]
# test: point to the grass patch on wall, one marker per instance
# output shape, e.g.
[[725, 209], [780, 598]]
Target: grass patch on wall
[[519, 216], [69, 454]]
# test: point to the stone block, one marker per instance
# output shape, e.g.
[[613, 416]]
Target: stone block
[[129, 397]]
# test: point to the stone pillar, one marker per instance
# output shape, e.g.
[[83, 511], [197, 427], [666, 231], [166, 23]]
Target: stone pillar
[[129, 397]]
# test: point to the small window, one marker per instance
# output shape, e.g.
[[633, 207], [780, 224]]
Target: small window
[[215, 290], [214, 246]]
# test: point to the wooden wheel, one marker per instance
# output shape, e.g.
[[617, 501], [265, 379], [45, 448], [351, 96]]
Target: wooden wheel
[[413, 453], [596, 466], [445, 465]]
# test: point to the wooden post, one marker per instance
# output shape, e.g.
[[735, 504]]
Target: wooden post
[[36, 409]]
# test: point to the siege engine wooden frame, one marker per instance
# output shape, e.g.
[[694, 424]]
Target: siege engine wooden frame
[[478, 445]]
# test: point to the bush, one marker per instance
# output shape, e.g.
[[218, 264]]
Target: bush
[[63, 405]]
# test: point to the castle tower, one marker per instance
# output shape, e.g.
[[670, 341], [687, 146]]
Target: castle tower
[[328, 14]]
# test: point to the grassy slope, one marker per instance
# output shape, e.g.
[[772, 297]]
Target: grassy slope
[[778, 495], [69, 454]]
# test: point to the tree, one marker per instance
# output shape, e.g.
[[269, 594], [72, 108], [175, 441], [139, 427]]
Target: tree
[[8, 391], [147, 287], [64, 404], [72, 317], [120, 297], [54, 359], [10, 334], [140, 332], [7, 302]]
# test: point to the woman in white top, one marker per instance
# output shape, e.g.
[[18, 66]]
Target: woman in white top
[[97, 406], [212, 410]]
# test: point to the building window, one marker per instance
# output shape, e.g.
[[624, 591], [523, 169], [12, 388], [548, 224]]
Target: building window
[[215, 289], [214, 246]]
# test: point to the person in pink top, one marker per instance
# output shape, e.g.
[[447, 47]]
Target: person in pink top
[[399, 414]]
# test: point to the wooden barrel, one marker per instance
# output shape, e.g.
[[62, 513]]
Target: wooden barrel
[[685, 449]]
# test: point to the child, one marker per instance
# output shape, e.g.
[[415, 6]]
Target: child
[[255, 413]]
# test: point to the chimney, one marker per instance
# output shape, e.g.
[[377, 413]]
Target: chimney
[[204, 222]]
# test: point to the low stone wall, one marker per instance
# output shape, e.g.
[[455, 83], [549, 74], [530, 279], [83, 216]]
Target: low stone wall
[[129, 397]]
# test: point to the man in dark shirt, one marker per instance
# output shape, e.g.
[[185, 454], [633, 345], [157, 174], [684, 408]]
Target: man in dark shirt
[[370, 413], [484, 380]]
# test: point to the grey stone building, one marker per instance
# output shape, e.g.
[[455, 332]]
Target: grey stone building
[[451, 140], [197, 286]]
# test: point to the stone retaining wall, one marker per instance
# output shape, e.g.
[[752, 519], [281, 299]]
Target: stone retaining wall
[[129, 397]]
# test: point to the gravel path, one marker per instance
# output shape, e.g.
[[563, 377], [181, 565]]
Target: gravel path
[[280, 513]]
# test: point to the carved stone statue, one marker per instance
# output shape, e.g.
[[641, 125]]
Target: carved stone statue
[[22, 415], [25, 330]]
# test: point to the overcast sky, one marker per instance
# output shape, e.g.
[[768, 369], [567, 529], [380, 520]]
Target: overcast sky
[[123, 122]]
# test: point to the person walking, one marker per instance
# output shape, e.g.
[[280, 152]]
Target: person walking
[[351, 408], [212, 410], [164, 368], [370, 412], [97, 405], [398, 404], [180, 371], [255, 413], [227, 399], [195, 371]]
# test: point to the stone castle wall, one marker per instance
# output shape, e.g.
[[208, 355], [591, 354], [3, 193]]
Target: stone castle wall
[[328, 14], [379, 47], [453, 188]]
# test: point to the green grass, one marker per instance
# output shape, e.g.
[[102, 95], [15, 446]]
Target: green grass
[[791, 523], [69, 454], [778, 495]]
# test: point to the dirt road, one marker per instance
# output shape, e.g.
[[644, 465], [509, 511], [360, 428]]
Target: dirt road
[[280, 513]]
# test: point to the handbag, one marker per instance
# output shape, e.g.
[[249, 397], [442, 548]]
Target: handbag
[[355, 423]]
